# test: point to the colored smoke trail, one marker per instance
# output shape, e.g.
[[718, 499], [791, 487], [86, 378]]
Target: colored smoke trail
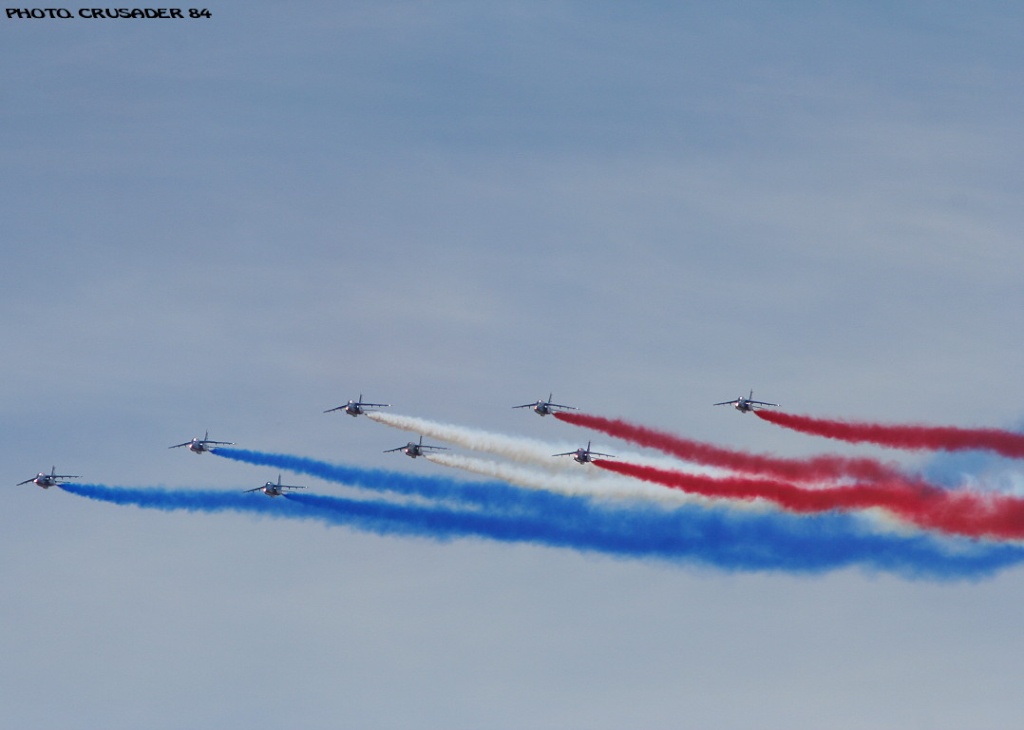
[[486, 495], [961, 513], [908, 437], [691, 536], [685, 535], [189, 500], [481, 494], [820, 468]]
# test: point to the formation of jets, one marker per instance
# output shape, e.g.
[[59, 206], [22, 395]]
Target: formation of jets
[[746, 405], [412, 449]]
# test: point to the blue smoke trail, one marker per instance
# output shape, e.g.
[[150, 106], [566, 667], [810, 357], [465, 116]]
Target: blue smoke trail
[[687, 535], [715, 537], [191, 500], [491, 495]]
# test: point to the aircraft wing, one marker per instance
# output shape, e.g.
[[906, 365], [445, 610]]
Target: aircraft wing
[[25, 482], [219, 443], [179, 445], [257, 489], [375, 405], [528, 405], [428, 446], [761, 403], [287, 486], [339, 408], [726, 403], [559, 405], [566, 453], [398, 448], [598, 453]]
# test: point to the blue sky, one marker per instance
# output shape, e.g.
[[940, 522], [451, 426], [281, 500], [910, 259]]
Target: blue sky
[[233, 224]]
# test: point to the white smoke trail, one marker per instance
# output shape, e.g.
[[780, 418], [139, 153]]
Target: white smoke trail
[[595, 485], [568, 477], [518, 449], [521, 449]]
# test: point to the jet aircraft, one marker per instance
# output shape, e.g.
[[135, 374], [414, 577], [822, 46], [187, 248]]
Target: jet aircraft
[[413, 450], [582, 456], [355, 407], [199, 445], [273, 490], [745, 405], [46, 481], [544, 407]]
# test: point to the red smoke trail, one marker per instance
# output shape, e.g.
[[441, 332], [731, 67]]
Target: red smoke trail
[[820, 468], [961, 513], [910, 437]]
